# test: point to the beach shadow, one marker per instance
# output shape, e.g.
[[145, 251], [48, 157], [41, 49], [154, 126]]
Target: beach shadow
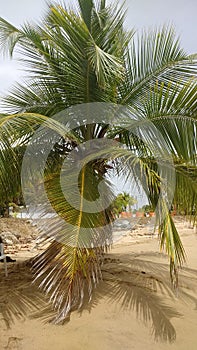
[[137, 292], [149, 308], [144, 287], [18, 296], [132, 282]]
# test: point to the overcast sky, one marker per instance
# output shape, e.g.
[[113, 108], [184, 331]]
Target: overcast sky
[[141, 14]]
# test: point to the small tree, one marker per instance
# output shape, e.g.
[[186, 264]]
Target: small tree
[[123, 202]]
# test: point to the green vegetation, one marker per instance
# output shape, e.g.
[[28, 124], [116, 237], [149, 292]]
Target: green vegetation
[[123, 202], [83, 57]]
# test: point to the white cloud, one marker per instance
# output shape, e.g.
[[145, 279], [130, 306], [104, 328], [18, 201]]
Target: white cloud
[[9, 73], [180, 13]]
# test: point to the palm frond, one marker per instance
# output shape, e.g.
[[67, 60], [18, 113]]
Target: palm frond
[[161, 101], [156, 57], [107, 67], [86, 8], [71, 265], [9, 36]]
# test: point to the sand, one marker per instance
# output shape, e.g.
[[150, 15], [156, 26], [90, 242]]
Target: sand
[[133, 308]]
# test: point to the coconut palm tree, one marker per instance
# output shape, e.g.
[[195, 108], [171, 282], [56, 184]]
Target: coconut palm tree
[[86, 56], [122, 202]]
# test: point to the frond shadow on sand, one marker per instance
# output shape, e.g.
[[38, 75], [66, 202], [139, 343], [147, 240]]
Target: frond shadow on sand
[[138, 285]]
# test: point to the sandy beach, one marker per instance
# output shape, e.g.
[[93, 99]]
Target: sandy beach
[[133, 308]]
